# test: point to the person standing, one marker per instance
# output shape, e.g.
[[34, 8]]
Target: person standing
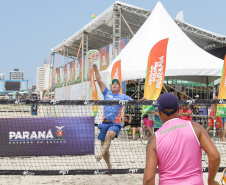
[[176, 149], [185, 113], [111, 125], [217, 118], [157, 122], [126, 120]]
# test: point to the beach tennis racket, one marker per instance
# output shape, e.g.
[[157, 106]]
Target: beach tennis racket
[[223, 177], [93, 56]]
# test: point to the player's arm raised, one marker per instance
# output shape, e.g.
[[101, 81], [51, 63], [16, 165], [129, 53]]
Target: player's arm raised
[[98, 78]]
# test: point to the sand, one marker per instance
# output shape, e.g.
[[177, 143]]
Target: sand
[[125, 179]]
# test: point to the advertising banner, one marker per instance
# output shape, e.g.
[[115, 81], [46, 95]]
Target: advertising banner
[[111, 53], [61, 76], [58, 77], [68, 72], [104, 59], [116, 73], [65, 74], [80, 69], [221, 108], [94, 94], [72, 73], [24, 84], [47, 136], [155, 73], [123, 43], [55, 78], [77, 71]]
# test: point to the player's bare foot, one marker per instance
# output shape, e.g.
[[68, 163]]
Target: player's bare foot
[[98, 158], [109, 167]]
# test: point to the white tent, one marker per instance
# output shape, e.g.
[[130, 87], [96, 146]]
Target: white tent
[[184, 59]]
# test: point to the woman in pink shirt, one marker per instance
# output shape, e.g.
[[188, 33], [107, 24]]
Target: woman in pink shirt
[[148, 124], [185, 113]]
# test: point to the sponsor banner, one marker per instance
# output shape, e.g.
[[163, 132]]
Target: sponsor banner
[[155, 73], [111, 53], [104, 59], [65, 74], [55, 78], [23, 85], [80, 69], [122, 44], [94, 94], [61, 76], [221, 109], [47, 136], [68, 72], [72, 72], [77, 71], [116, 73], [58, 77]]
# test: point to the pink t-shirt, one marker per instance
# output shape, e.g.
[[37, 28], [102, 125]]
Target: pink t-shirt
[[189, 118], [179, 154], [147, 122]]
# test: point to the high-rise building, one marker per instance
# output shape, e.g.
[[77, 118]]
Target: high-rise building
[[2, 76], [16, 74], [48, 72], [43, 77], [40, 80]]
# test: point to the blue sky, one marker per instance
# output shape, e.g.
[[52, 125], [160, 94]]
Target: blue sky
[[30, 28]]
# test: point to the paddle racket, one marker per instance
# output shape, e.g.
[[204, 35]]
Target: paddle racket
[[93, 56], [223, 178]]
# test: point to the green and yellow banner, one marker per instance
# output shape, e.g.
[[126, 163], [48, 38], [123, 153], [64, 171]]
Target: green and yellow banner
[[155, 73], [221, 108], [94, 94]]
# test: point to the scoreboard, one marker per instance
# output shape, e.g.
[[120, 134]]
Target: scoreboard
[[13, 85]]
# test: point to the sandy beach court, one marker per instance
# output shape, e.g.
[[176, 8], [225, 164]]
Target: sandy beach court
[[125, 179]]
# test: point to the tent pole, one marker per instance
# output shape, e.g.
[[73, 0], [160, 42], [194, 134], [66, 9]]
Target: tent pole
[[207, 89]]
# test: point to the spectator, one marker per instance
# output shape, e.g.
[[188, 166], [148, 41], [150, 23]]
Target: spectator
[[217, 118], [157, 121], [224, 126], [198, 110], [185, 113], [148, 124], [126, 120], [136, 129], [183, 94]]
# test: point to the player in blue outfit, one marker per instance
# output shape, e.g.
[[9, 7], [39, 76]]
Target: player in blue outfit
[[111, 125]]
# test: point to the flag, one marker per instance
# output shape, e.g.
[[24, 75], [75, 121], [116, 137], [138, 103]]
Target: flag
[[116, 73], [94, 94], [221, 108], [155, 73]]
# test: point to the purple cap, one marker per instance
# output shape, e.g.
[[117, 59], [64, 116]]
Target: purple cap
[[168, 101]]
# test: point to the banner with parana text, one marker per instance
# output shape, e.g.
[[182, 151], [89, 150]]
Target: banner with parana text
[[46, 136], [155, 73]]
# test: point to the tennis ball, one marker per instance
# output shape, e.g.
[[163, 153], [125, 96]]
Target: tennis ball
[[94, 16]]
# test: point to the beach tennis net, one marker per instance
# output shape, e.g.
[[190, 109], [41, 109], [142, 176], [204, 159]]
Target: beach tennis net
[[49, 137]]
